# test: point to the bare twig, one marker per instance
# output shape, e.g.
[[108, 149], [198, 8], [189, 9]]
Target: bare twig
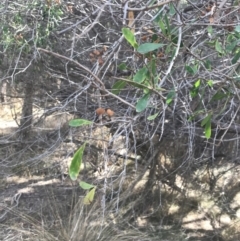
[[88, 71], [176, 53], [151, 7]]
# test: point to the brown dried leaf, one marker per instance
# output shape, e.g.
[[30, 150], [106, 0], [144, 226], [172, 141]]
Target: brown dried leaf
[[144, 37], [211, 20], [100, 61], [96, 52], [131, 20], [58, 2], [104, 48], [69, 8], [160, 55]]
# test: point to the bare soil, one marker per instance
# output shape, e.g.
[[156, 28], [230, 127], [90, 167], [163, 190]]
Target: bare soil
[[38, 200]]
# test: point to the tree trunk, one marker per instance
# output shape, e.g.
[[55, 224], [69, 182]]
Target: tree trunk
[[27, 109]]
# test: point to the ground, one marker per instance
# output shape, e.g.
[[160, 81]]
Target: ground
[[38, 200]]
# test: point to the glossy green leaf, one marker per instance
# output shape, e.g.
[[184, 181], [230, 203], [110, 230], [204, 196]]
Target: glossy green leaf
[[76, 162], [146, 90], [210, 29], [195, 68], [129, 36], [218, 47], [237, 29], [206, 122], [196, 113], [85, 185], [140, 86], [154, 38], [231, 46], [158, 16], [208, 129], [162, 27], [197, 83], [153, 117], [172, 9], [141, 75], [206, 119], [236, 78], [169, 49], [167, 24], [211, 43], [170, 96], [195, 89], [89, 196], [118, 86], [194, 92], [191, 117], [208, 64], [174, 39], [210, 83], [122, 66], [148, 47], [79, 122], [219, 96], [152, 67], [191, 69], [142, 103], [236, 57]]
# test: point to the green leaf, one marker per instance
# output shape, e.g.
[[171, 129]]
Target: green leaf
[[142, 103], [140, 86], [211, 43], [118, 86], [170, 96], [146, 90], [154, 38], [197, 83], [191, 69], [236, 57], [85, 185], [158, 16], [172, 9], [208, 130], [148, 47], [208, 64], [153, 117], [236, 78], [122, 66], [230, 47], [152, 67], [76, 162], [218, 47], [79, 122], [210, 29], [206, 119], [162, 27], [210, 83], [237, 28], [169, 49], [89, 197], [129, 36], [141, 75], [167, 24], [195, 89], [219, 96], [196, 113], [194, 92], [174, 39], [207, 123]]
